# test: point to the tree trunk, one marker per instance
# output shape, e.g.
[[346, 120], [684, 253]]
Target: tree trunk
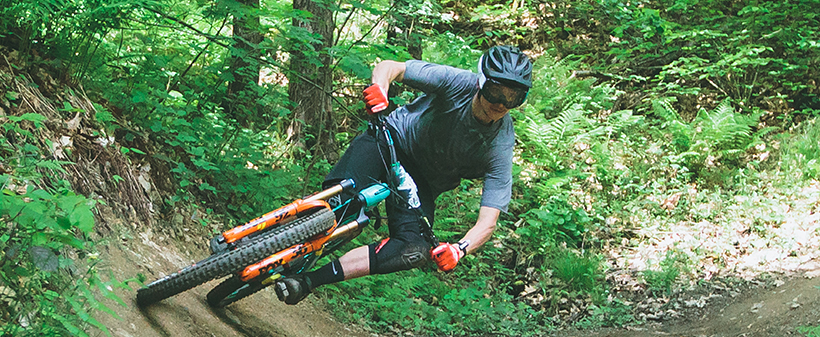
[[245, 66], [400, 32], [313, 126]]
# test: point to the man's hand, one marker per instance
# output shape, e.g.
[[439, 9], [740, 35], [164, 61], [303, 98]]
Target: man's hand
[[446, 255], [375, 99]]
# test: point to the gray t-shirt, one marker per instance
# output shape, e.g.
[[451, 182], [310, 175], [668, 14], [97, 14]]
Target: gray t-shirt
[[447, 143]]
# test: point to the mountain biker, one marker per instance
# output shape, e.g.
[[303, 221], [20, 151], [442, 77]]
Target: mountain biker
[[460, 128]]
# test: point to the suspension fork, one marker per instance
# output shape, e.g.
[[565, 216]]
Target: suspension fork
[[285, 213]]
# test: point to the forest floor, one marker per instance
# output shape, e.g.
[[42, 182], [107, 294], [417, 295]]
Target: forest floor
[[773, 308]]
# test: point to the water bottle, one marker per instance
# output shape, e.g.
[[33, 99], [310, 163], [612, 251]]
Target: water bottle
[[408, 188]]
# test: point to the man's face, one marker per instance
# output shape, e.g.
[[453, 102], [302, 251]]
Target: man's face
[[490, 112], [497, 99], [497, 93]]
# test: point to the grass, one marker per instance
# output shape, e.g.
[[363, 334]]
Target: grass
[[809, 331]]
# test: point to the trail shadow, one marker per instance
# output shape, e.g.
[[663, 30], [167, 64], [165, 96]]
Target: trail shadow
[[151, 318], [253, 325]]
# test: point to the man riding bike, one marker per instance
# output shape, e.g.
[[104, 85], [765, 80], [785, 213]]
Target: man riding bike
[[460, 128]]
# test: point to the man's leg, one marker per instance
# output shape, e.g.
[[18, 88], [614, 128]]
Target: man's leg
[[403, 249], [356, 263], [363, 163]]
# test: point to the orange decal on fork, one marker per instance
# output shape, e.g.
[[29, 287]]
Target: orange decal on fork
[[278, 216], [286, 256]]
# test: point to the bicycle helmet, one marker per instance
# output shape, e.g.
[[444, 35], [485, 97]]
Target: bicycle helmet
[[505, 76], [505, 64]]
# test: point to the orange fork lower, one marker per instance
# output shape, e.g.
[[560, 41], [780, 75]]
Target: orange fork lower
[[280, 215], [286, 256]]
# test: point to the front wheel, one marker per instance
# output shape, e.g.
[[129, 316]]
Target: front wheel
[[220, 265]]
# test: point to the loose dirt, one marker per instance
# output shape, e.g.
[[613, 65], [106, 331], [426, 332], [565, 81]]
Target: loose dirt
[[188, 314], [776, 308]]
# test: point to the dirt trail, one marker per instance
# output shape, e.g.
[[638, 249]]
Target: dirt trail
[[187, 314], [776, 310]]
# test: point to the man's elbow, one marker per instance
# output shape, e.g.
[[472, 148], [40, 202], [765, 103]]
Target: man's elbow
[[490, 226]]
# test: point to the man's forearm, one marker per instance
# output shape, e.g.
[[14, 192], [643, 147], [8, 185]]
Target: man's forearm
[[483, 229], [387, 72]]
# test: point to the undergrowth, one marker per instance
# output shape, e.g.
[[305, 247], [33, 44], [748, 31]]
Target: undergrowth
[[49, 283]]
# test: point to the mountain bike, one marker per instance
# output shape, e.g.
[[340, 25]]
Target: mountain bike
[[290, 239]]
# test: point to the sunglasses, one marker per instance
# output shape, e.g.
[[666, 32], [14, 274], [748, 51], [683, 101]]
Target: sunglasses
[[497, 93]]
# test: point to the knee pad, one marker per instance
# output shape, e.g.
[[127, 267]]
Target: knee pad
[[392, 255]]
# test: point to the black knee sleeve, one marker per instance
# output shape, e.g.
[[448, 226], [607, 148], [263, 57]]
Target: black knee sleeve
[[395, 254]]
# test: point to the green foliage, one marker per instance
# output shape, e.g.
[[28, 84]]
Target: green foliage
[[577, 272], [451, 49], [749, 52], [800, 152], [556, 219], [613, 314], [506, 20], [669, 270], [640, 30], [809, 331], [415, 301], [713, 138], [45, 244], [66, 30]]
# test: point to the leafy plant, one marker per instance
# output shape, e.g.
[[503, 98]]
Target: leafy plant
[[580, 272], [669, 271], [46, 238], [713, 138], [555, 219], [809, 331]]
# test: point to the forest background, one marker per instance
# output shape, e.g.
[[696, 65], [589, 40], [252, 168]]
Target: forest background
[[662, 147]]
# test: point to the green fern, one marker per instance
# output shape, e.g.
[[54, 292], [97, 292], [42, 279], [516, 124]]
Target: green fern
[[713, 136], [547, 134], [663, 108], [723, 129], [680, 131]]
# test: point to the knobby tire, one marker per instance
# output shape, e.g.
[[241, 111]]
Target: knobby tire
[[220, 265], [232, 290]]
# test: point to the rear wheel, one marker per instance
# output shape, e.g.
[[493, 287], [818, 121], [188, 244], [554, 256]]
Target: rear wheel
[[232, 290], [220, 265]]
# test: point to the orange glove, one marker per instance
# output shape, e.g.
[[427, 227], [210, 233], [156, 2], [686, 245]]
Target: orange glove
[[375, 99], [446, 255]]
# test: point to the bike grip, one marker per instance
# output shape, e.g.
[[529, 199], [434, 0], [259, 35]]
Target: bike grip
[[375, 99], [348, 185], [446, 256]]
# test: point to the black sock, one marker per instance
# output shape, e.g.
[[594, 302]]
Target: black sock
[[329, 273]]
